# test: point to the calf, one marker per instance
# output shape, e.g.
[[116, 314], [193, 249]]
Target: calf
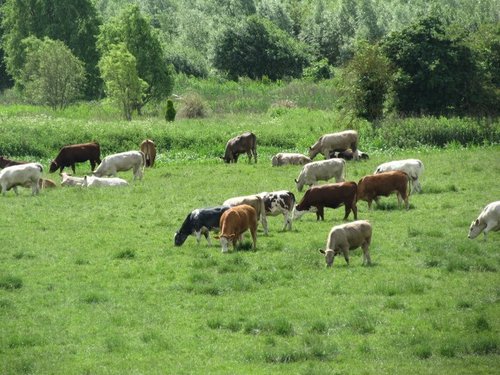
[[487, 221], [241, 144], [312, 172], [279, 202], [43, 183], [93, 181], [383, 184], [328, 195], [69, 155], [346, 237], [234, 222], [122, 161], [412, 167], [288, 158], [21, 175], [252, 200], [198, 222], [148, 147], [68, 180], [4, 162]]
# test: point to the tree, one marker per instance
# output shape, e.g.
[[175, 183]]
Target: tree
[[133, 30], [255, 48], [275, 11], [74, 22], [122, 83], [52, 75]]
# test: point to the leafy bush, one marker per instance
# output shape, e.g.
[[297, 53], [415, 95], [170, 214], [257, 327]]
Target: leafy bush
[[170, 112], [193, 106]]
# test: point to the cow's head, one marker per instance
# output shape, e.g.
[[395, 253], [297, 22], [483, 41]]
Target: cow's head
[[299, 184], [475, 229], [179, 238], [53, 166], [329, 256]]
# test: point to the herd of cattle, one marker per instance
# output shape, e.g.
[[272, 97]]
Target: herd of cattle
[[239, 214]]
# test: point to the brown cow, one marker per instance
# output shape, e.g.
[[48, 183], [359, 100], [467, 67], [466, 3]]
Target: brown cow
[[244, 143], [148, 147], [328, 195], [234, 222], [71, 154], [4, 162], [373, 186]]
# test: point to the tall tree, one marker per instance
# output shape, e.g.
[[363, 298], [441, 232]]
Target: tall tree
[[133, 29], [75, 22]]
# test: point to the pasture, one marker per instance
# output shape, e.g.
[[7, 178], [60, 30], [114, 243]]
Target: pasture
[[90, 282]]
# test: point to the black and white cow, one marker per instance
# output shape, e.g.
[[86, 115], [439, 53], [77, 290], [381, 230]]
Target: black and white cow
[[198, 222], [279, 202]]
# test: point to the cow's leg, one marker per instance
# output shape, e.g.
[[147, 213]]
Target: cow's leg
[[407, 203], [73, 168], [288, 221], [398, 194], [249, 153], [345, 251], [34, 187], [489, 227], [366, 253], [198, 236], [253, 232], [320, 213], [92, 165], [355, 210], [15, 190], [206, 233], [4, 189], [255, 155], [369, 204], [347, 211]]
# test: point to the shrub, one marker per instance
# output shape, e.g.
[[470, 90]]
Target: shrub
[[171, 112], [193, 106]]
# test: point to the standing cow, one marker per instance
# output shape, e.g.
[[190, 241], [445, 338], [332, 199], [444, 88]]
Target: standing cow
[[312, 172], [383, 184], [148, 147], [279, 202], [4, 162], [122, 161], [236, 221], [412, 167], [28, 174], [69, 155], [340, 141], [487, 221], [244, 143]]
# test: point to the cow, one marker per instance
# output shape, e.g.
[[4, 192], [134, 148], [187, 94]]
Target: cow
[[148, 147], [312, 172], [252, 200], [4, 162], [328, 195], [43, 183], [198, 222], [345, 237], [243, 143], [289, 158], [373, 186], [122, 161], [335, 142], [412, 167], [94, 181], [68, 180], [279, 202], [21, 175], [78, 153], [348, 154], [234, 222], [487, 221]]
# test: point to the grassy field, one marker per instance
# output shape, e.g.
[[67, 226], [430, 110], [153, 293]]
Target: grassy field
[[90, 282]]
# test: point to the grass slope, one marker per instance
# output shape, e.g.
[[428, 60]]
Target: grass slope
[[90, 282]]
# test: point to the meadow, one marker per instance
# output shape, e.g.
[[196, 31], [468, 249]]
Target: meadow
[[91, 283]]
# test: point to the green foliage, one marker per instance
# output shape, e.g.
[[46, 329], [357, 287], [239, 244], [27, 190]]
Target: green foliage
[[318, 71], [170, 112], [256, 48], [52, 75]]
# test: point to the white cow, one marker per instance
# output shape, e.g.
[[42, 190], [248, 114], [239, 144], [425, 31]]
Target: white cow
[[279, 202], [285, 158], [345, 237], [412, 167], [122, 162], [252, 200], [93, 181], [68, 180], [328, 143], [321, 170], [488, 220], [28, 174]]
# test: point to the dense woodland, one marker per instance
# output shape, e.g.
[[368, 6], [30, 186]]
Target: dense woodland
[[439, 57]]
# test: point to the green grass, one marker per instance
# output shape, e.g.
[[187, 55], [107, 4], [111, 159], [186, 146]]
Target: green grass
[[90, 281]]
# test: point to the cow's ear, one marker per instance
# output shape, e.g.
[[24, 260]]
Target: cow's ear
[[477, 222], [321, 251], [295, 180]]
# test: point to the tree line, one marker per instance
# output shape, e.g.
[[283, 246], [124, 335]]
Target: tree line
[[438, 57]]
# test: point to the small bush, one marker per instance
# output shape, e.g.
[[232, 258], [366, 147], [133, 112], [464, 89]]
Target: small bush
[[193, 106], [170, 112]]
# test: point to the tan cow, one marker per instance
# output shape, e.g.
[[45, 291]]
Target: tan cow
[[252, 200], [346, 237], [383, 184], [289, 158], [236, 221], [148, 147], [340, 141]]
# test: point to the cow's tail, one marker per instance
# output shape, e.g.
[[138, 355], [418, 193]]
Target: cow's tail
[[344, 169], [254, 146]]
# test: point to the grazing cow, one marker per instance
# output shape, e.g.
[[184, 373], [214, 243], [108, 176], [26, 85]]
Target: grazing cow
[[285, 158], [252, 200], [21, 175], [68, 180], [373, 186], [93, 181], [346, 237], [198, 222], [335, 142], [71, 154], [148, 147], [328, 195], [4, 162], [487, 221], [279, 202], [234, 222], [122, 161], [348, 154], [412, 167], [241, 144], [321, 170]]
